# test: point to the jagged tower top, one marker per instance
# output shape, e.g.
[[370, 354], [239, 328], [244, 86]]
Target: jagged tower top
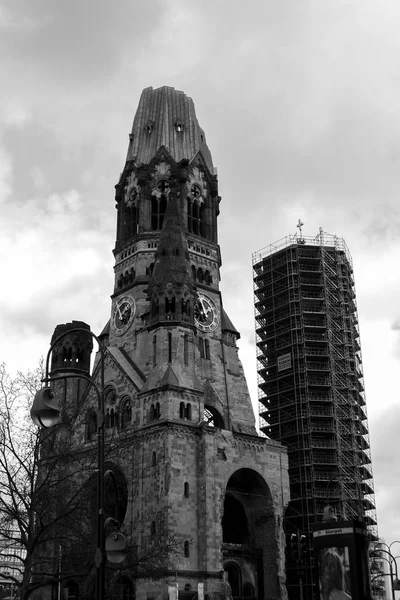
[[167, 117]]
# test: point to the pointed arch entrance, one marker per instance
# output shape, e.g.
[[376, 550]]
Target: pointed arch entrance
[[249, 542]]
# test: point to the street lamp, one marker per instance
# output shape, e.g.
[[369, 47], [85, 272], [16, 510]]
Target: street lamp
[[46, 413], [395, 583]]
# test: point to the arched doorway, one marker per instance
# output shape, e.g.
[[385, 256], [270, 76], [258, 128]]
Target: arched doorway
[[248, 533], [234, 522], [234, 577]]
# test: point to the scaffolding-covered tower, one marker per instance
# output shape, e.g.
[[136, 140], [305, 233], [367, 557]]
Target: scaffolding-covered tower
[[311, 391]]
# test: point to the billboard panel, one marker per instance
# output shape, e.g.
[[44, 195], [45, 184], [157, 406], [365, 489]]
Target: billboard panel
[[341, 551]]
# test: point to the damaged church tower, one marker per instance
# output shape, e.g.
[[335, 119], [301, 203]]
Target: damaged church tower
[[177, 402]]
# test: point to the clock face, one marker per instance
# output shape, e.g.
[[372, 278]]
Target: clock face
[[123, 315], [205, 313]]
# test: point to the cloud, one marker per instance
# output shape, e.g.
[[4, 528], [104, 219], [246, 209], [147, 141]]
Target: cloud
[[79, 43], [5, 175]]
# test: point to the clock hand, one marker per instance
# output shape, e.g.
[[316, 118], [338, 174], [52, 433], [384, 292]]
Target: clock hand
[[119, 312], [202, 305]]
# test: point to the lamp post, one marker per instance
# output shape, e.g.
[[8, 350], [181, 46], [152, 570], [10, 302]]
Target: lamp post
[[45, 413], [394, 583]]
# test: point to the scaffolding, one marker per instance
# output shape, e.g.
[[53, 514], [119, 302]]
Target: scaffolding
[[311, 391]]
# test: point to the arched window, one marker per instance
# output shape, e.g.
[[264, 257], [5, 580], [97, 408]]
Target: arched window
[[126, 414], [155, 306], [186, 349], [207, 349], [182, 410], [169, 305], [112, 418], [200, 275], [201, 347], [235, 527], [153, 459], [153, 528], [111, 395], [195, 213], [135, 218], [155, 411], [194, 273], [91, 425], [159, 205], [186, 489], [158, 208], [234, 578], [154, 350], [188, 412], [212, 417], [169, 346], [132, 215], [186, 549], [185, 306], [108, 419]]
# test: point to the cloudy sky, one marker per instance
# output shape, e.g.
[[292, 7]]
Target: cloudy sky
[[300, 102]]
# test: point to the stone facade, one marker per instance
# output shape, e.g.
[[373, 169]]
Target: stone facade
[[180, 428]]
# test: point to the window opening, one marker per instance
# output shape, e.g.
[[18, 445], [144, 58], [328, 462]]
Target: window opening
[[158, 208], [169, 347], [154, 350], [234, 579], [201, 347], [182, 410], [195, 212], [170, 305], [186, 349], [92, 425], [126, 416], [185, 306]]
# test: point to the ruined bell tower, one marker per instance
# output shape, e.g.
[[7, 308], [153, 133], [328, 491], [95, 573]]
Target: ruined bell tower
[[177, 403]]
